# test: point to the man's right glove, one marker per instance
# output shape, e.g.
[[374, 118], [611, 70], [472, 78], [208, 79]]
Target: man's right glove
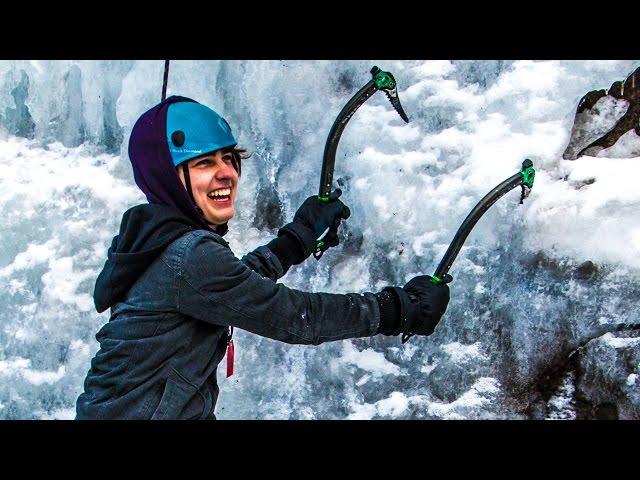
[[422, 305], [312, 219]]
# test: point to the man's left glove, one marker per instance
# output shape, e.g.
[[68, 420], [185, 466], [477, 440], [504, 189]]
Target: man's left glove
[[422, 304], [312, 219]]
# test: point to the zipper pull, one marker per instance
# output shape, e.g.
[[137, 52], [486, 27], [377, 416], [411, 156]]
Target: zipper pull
[[230, 353]]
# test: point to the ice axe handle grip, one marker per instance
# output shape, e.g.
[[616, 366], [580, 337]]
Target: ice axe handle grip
[[446, 278], [321, 246]]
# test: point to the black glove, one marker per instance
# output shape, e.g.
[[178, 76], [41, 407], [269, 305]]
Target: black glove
[[313, 218], [422, 305]]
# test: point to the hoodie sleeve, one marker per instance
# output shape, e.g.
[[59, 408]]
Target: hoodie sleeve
[[265, 262], [274, 259], [215, 287]]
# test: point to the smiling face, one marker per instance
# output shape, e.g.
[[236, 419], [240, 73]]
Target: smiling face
[[214, 183]]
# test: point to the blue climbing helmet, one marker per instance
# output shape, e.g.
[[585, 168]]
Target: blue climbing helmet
[[194, 129]]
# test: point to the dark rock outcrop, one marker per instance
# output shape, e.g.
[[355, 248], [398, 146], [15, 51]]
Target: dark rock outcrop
[[269, 213], [608, 386], [595, 103]]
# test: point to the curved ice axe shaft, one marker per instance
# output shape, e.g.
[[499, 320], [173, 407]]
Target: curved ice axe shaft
[[524, 178], [381, 81]]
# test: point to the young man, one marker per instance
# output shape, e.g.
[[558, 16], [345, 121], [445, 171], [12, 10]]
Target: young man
[[176, 290]]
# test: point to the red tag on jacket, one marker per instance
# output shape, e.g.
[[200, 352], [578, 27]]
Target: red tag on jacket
[[230, 352]]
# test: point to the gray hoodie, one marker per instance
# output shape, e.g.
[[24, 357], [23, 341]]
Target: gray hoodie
[[174, 290]]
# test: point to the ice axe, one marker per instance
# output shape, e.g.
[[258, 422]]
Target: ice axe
[[381, 80], [524, 178]]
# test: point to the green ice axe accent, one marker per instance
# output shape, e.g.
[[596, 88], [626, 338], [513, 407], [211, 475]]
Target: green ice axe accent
[[384, 80], [381, 80], [528, 173]]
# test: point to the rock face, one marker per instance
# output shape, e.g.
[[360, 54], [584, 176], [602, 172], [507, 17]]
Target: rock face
[[607, 117], [597, 380], [607, 385]]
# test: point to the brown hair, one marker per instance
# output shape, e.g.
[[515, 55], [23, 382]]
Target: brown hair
[[238, 154]]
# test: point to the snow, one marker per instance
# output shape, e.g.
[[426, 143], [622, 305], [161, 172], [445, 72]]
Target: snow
[[473, 400], [33, 255], [619, 342], [363, 412], [427, 369], [393, 406], [10, 367], [561, 406], [364, 379], [593, 221], [60, 414], [469, 405], [435, 68], [368, 360], [21, 366], [459, 353], [627, 145], [38, 377], [61, 282]]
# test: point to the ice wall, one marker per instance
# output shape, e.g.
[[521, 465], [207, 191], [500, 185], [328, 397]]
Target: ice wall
[[533, 283]]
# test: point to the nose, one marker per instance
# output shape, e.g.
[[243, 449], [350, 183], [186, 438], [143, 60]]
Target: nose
[[225, 171]]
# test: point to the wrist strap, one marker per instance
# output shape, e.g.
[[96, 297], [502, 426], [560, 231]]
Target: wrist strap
[[303, 236], [404, 302], [389, 312]]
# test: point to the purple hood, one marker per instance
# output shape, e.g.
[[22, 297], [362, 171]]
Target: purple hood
[[153, 168]]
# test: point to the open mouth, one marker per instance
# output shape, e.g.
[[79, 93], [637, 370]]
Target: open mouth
[[221, 195]]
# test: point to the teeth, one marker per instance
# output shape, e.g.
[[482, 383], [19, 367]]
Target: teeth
[[222, 192]]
